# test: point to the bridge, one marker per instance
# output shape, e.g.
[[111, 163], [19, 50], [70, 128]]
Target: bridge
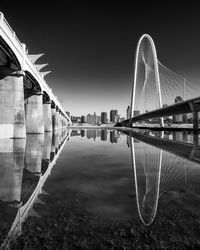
[[27, 103], [159, 92]]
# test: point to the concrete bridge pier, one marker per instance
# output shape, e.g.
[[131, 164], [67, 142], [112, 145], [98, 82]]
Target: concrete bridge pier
[[12, 114], [34, 114], [47, 116]]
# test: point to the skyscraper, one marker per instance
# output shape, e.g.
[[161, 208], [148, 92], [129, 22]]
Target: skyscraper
[[178, 118], [104, 117], [82, 119], [114, 115], [91, 119]]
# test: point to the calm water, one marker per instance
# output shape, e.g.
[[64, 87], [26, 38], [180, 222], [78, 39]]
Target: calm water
[[100, 189]]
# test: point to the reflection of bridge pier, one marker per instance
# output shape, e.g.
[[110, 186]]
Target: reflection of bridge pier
[[22, 187], [46, 151], [34, 152], [11, 170]]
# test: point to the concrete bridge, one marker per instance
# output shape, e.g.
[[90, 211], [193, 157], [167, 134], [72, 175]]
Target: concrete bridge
[[27, 103], [188, 106]]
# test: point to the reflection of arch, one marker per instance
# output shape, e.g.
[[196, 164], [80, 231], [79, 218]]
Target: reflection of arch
[[172, 157], [144, 62], [147, 198]]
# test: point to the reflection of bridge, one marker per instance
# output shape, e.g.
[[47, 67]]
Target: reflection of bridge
[[27, 104], [160, 165], [155, 88], [28, 185]]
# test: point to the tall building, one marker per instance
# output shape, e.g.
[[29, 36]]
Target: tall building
[[113, 115], [75, 119], [82, 119], [98, 119], [104, 117], [92, 119], [178, 118]]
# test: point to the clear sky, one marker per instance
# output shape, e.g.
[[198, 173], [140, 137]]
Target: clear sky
[[90, 46]]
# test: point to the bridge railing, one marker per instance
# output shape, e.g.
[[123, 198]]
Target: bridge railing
[[24, 53]]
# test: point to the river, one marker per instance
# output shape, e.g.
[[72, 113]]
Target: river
[[100, 189]]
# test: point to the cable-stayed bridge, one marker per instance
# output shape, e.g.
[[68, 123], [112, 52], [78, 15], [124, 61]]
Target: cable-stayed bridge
[[27, 103], [158, 91]]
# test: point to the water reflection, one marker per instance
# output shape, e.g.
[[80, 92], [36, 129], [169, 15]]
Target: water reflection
[[161, 163], [25, 166], [103, 134]]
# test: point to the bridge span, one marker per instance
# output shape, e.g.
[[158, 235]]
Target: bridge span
[[27, 103], [188, 106]]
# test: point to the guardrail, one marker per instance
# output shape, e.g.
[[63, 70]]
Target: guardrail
[[24, 53]]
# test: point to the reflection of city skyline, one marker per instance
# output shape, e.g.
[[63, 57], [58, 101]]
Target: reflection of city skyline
[[25, 166], [103, 134], [158, 169]]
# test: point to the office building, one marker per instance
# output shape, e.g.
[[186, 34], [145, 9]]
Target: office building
[[104, 117]]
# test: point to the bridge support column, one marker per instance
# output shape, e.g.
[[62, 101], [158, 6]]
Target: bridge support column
[[12, 114], [195, 120], [34, 114], [47, 117]]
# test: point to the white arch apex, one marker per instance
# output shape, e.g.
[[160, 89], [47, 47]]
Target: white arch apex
[[157, 76]]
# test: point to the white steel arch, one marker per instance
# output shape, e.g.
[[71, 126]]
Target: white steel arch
[[157, 76]]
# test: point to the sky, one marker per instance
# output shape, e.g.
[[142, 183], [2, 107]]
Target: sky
[[90, 46]]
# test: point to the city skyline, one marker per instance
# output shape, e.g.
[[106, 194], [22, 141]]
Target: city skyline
[[90, 48]]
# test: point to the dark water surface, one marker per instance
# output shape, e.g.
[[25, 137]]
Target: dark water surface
[[100, 189]]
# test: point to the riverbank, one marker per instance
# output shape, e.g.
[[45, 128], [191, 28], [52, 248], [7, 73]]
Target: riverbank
[[174, 128]]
